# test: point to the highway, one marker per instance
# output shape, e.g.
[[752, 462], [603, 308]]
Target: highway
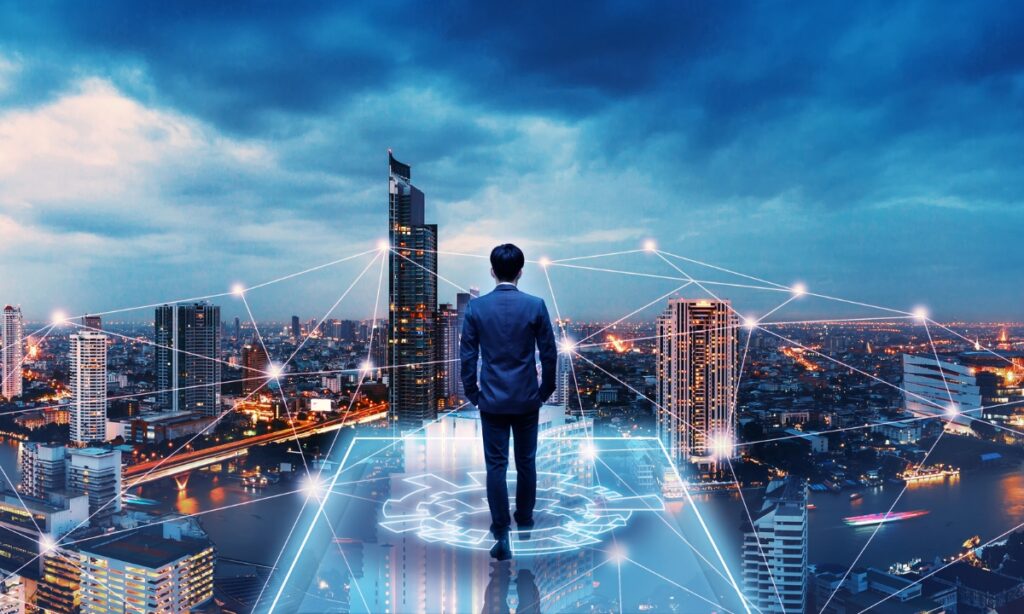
[[182, 462]]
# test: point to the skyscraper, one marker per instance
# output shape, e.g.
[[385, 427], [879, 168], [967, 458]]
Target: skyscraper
[[448, 356], [696, 391], [928, 386], [13, 353], [43, 469], [775, 549], [563, 382], [188, 368], [88, 387], [92, 322], [412, 289], [238, 329], [255, 364], [461, 305], [296, 328]]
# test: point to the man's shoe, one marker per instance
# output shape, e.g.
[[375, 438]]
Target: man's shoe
[[524, 529], [501, 550]]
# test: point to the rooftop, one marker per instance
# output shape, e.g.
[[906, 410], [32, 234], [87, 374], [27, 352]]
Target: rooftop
[[147, 549]]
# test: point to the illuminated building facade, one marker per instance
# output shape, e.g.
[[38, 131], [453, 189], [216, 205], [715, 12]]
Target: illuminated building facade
[[30, 523], [58, 590], [96, 472], [448, 358], [696, 380], [188, 371], [147, 571], [943, 389], [412, 288], [43, 468], [88, 387], [775, 549], [13, 352], [563, 381], [255, 363]]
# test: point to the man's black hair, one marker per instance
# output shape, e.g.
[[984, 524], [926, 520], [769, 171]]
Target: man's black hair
[[507, 260]]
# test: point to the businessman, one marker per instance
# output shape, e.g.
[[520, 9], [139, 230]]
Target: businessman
[[505, 329]]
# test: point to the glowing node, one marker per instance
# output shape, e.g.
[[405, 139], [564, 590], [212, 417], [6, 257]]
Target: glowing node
[[275, 371], [366, 366], [650, 245], [544, 261], [46, 544], [721, 446], [798, 289], [616, 553], [952, 411], [920, 314], [313, 486], [588, 450], [58, 318], [749, 322], [238, 289], [566, 346], [383, 245]]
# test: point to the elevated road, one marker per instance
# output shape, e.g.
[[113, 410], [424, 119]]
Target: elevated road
[[183, 462]]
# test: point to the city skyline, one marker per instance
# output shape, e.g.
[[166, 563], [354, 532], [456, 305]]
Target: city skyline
[[768, 171]]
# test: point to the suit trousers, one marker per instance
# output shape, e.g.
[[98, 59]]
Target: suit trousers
[[496, 428]]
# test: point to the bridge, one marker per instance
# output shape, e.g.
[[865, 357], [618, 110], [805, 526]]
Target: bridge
[[184, 462]]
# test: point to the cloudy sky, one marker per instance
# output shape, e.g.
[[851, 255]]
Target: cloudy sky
[[155, 151]]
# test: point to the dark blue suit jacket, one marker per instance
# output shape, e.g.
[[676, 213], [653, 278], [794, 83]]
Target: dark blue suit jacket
[[505, 328]]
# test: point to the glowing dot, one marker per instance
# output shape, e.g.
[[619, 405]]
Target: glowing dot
[[544, 261], [920, 314], [58, 318], [616, 553], [721, 446], [650, 245], [46, 544], [313, 486], [238, 289], [588, 451], [366, 366], [566, 346], [383, 245], [799, 289], [952, 411], [275, 371], [749, 322]]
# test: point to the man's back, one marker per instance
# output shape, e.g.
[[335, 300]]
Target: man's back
[[504, 328]]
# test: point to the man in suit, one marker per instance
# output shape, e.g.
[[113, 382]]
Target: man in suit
[[505, 329]]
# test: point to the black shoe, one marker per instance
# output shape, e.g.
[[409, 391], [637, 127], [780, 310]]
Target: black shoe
[[524, 529], [501, 550]]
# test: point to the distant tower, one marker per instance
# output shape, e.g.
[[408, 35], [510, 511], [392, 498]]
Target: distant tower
[[775, 549], [88, 387], [461, 305], [563, 381], [43, 469], [13, 353], [412, 290], [92, 322], [238, 330], [96, 472], [296, 328], [188, 368], [255, 363], [696, 369], [448, 356]]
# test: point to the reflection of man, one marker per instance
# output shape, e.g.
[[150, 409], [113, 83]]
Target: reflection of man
[[496, 595], [504, 329]]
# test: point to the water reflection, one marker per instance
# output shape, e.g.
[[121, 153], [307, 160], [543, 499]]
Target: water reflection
[[499, 599]]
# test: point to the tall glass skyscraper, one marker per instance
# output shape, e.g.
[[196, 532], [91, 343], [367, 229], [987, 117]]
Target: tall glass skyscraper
[[696, 393], [412, 287], [13, 353], [188, 368]]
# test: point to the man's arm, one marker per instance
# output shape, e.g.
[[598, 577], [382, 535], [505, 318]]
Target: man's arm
[[469, 351], [548, 353]]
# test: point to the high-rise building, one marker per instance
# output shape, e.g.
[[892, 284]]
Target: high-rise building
[[448, 356], [28, 524], [412, 290], [155, 569], [13, 352], [88, 387], [92, 322], [96, 472], [461, 305], [238, 329], [775, 549], [43, 468], [943, 389], [255, 364], [188, 368], [58, 591], [696, 370], [296, 328], [563, 381]]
